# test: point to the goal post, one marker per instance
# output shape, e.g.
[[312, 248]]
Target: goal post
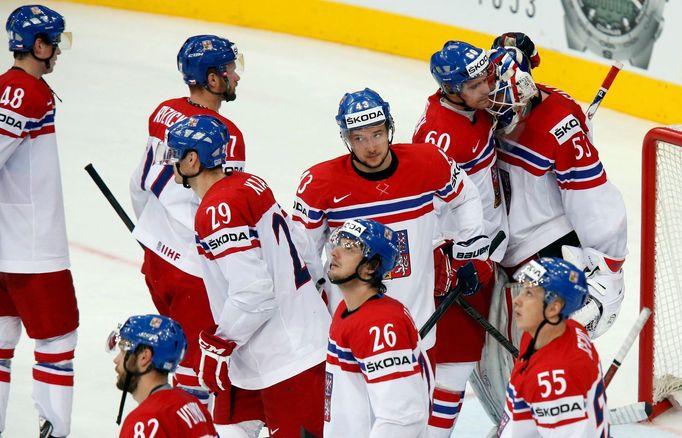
[[660, 342]]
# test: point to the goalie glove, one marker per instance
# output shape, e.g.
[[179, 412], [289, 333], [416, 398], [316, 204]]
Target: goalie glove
[[215, 357], [606, 285], [450, 257], [522, 42]]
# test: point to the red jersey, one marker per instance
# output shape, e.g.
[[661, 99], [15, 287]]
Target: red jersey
[[169, 413], [558, 392], [377, 377], [467, 138]]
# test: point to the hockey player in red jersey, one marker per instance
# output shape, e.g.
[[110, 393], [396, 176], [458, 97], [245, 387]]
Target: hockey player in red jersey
[[414, 188], [556, 388], [456, 120], [210, 67], [377, 380], [150, 347], [271, 323], [36, 287]]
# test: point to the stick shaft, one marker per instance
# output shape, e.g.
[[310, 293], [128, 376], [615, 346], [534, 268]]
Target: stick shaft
[[627, 344], [608, 80]]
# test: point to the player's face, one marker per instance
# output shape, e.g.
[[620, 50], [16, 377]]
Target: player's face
[[370, 146], [475, 92], [346, 255], [529, 307], [45, 50], [230, 79], [121, 372]]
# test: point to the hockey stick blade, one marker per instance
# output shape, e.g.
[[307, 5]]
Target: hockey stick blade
[[110, 197], [627, 343], [608, 80], [629, 414]]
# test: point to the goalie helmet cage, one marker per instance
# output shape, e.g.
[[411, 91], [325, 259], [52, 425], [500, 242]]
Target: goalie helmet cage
[[660, 343]]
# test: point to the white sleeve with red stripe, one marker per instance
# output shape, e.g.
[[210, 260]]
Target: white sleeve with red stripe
[[593, 205], [312, 219], [460, 211], [11, 134], [238, 264]]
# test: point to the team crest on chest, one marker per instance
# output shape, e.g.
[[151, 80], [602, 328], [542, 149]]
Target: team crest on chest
[[383, 188], [403, 268]]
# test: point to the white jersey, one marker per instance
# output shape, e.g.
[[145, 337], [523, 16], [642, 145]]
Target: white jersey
[[555, 183], [408, 197], [377, 376], [32, 223], [261, 293], [165, 215]]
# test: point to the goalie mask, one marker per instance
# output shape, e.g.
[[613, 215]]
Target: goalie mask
[[514, 88]]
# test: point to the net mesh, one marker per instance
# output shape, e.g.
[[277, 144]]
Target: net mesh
[[668, 270]]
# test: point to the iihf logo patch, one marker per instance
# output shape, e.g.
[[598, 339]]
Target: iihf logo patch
[[403, 267]]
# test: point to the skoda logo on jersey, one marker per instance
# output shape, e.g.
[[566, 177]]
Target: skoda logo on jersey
[[353, 228], [387, 363], [565, 129], [364, 118], [557, 410], [478, 65], [227, 238]]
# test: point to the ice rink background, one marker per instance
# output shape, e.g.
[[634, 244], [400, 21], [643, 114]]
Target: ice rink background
[[123, 64]]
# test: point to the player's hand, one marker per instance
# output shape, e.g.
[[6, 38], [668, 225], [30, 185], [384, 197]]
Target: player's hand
[[450, 260], [215, 357], [522, 42], [483, 272], [445, 276]]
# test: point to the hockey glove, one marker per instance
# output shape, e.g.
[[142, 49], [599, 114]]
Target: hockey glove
[[605, 284], [450, 258], [215, 357], [522, 42]]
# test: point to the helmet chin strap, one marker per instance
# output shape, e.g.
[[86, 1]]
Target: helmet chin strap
[[185, 178], [226, 95], [129, 377], [354, 275], [45, 60], [531, 347]]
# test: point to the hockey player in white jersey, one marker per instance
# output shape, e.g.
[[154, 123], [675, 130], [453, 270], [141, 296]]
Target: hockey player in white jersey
[[36, 287], [210, 67], [560, 202], [377, 379], [413, 188], [271, 323]]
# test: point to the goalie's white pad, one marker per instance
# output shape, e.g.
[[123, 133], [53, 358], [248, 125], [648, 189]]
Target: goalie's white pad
[[605, 283]]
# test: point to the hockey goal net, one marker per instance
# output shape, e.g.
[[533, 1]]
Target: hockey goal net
[[660, 343]]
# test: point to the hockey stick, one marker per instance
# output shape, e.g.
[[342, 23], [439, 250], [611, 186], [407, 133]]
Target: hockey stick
[[453, 294], [499, 337], [629, 340], [111, 198], [608, 80]]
